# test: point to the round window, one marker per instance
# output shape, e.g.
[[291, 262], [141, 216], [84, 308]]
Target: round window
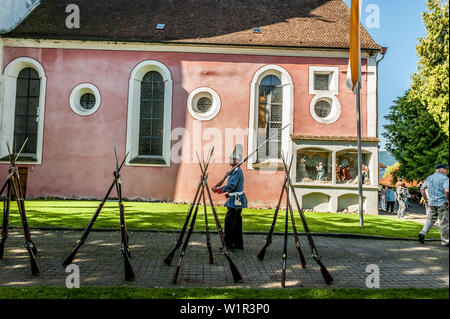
[[322, 108], [87, 101], [325, 108], [204, 104]]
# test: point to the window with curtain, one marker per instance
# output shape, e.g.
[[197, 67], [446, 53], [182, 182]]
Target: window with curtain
[[26, 117], [151, 121], [270, 110]]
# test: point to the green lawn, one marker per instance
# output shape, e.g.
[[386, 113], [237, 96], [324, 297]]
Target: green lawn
[[215, 293], [166, 216]]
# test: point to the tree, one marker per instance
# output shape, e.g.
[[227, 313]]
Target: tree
[[418, 133], [414, 139], [431, 82], [391, 169]]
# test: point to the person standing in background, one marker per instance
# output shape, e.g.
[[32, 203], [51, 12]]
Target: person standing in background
[[390, 200], [383, 197]]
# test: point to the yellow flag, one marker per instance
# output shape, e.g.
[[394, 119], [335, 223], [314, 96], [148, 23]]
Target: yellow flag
[[354, 64]]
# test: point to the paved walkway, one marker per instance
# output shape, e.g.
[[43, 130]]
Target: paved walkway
[[402, 264], [414, 212]]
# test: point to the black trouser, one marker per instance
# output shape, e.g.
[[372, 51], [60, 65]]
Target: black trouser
[[233, 228], [390, 204]]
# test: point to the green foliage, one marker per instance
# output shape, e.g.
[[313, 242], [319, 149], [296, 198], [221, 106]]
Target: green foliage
[[414, 139], [431, 82], [391, 169], [418, 133], [217, 293]]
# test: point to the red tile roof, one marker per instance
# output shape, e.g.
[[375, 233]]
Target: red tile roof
[[286, 23]]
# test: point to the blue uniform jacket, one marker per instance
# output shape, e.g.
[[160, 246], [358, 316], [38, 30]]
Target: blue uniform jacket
[[235, 184]]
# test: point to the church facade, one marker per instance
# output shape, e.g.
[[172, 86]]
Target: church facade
[[163, 88]]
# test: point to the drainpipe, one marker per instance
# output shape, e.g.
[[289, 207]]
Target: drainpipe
[[383, 51]]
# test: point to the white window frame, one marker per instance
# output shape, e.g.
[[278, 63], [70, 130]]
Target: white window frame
[[288, 112], [335, 108], [333, 73], [8, 105], [134, 102], [197, 94], [78, 92]]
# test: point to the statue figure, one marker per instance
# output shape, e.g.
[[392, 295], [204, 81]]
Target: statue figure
[[320, 172]]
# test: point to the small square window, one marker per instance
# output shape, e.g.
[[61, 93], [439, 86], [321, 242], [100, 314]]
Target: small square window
[[321, 82], [160, 26]]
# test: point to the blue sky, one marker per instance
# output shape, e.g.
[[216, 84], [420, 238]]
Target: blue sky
[[400, 26]]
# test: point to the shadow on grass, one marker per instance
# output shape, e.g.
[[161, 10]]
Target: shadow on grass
[[166, 216]]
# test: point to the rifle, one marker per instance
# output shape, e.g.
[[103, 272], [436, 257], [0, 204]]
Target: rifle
[[262, 252], [6, 207], [326, 275], [208, 237], [129, 275], [72, 255], [16, 188], [245, 159], [194, 217], [186, 241], [297, 241], [234, 270], [284, 258], [179, 241]]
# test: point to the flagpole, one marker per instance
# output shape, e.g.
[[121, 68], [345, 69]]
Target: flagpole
[[358, 120]]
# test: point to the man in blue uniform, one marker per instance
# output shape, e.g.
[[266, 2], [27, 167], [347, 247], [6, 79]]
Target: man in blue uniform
[[236, 202]]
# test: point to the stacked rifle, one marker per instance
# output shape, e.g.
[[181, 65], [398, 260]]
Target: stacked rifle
[[129, 275], [13, 188], [287, 186], [193, 208]]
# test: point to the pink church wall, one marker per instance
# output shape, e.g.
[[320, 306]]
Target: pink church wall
[[78, 158]]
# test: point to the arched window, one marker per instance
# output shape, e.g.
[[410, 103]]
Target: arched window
[[271, 105], [270, 117], [23, 109], [26, 112], [149, 114]]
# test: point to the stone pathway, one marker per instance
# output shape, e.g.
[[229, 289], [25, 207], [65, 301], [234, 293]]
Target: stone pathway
[[402, 264]]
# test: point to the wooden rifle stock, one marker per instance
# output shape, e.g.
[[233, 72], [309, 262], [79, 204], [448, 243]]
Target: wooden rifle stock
[[186, 242], [31, 248], [129, 275], [234, 270], [6, 207], [283, 269], [72, 255], [262, 252], [297, 241], [124, 248], [208, 238], [325, 273], [179, 241]]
